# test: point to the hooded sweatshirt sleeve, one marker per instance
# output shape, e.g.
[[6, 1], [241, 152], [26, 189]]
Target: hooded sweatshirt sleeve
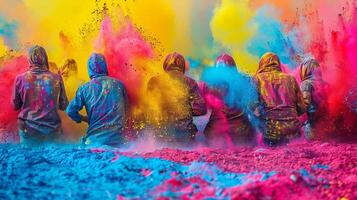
[[300, 104], [16, 95], [75, 106], [306, 88], [126, 100]]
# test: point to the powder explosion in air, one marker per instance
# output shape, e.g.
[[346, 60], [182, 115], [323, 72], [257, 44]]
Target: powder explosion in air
[[201, 69]]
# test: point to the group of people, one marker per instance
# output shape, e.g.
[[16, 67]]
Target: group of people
[[39, 93]]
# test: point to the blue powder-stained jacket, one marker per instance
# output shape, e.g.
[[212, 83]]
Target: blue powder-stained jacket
[[105, 100]]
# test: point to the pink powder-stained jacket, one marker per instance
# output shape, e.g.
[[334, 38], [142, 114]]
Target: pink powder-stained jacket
[[38, 94], [228, 124], [280, 98]]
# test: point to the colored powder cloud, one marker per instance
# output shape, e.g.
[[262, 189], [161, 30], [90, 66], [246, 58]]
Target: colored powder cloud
[[8, 32], [231, 29], [238, 88], [132, 60], [271, 37], [8, 117]]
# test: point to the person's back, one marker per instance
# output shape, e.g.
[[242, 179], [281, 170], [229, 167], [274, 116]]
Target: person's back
[[315, 97], [38, 93], [181, 99], [106, 104], [280, 100], [225, 122], [278, 95]]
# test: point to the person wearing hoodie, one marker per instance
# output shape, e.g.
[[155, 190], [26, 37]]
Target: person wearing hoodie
[[37, 95], [106, 103], [280, 101], [225, 122], [314, 93], [181, 99]]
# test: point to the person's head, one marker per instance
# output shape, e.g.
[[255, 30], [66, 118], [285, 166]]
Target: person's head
[[269, 62], [175, 62], [225, 60], [52, 66], [310, 69], [97, 66], [38, 57], [69, 68]]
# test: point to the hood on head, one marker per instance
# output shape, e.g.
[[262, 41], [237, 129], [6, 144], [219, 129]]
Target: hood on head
[[69, 67], [97, 66], [38, 57], [175, 61], [269, 62], [226, 60], [310, 69]]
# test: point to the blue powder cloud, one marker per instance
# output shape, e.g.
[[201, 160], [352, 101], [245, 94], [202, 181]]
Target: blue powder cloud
[[240, 89], [271, 37], [8, 32]]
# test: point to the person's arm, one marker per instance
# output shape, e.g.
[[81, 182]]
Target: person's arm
[[256, 105], [306, 89], [16, 95], [126, 101], [300, 104], [63, 100], [198, 103], [75, 106]]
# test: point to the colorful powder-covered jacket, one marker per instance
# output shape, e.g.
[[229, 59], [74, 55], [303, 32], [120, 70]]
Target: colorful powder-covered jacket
[[106, 103], [38, 93], [279, 94], [178, 119], [313, 89], [179, 108], [227, 121]]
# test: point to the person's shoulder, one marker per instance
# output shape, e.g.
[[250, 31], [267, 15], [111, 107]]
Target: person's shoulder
[[155, 79], [190, 80], [54, 75], [57, 76], [117, 82], [20, 75], [259, 76], [287, 76], [84, 85]]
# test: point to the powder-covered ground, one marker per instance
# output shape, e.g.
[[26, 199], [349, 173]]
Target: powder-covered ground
[[297, 171]]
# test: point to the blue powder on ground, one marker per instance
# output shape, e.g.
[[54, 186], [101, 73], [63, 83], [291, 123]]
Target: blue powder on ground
[[53, 172]]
